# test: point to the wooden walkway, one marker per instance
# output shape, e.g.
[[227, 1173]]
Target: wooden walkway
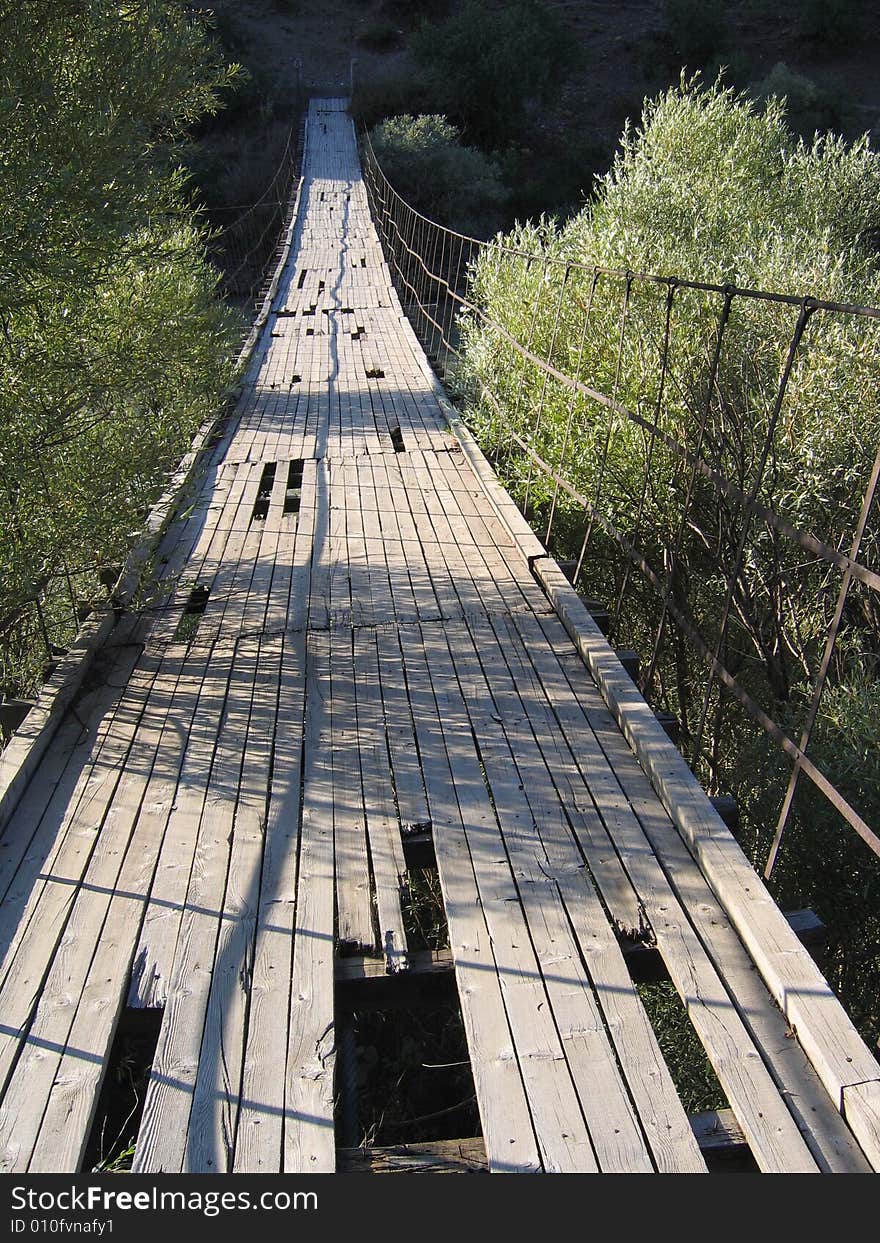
[[344, 645]]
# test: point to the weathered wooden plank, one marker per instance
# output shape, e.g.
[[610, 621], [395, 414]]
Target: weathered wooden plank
[[309, 1144], [823, 1027], [213, 1118], [259, 1136], [829, 1140], [383, 827], [354, 910], [772, 1132]]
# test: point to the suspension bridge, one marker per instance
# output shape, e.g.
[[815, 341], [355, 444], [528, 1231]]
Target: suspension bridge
[[348, 655]]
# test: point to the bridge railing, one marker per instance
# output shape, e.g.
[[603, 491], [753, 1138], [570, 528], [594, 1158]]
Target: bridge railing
[[704, 456]]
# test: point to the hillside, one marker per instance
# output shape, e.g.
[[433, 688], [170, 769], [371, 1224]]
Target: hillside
[[622, 52]]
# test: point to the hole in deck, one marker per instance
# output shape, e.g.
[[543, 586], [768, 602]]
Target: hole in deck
[[302, 278], [397, 440], [424, 914], [111, 1143], [195, 606], [264, 495], [692, 1073], [293, 492], [375, 373], [413, 1075]]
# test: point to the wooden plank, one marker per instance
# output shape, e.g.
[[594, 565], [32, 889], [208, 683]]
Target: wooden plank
[[501, 1099], [44, 912], [309, 1144], [383, 827], [449, 1156], [558, 1123], [154, 956], [73, 747], [772, 1132], [409, 783], [259, 1136], [57, 997], [213, 1118], [354, 910]]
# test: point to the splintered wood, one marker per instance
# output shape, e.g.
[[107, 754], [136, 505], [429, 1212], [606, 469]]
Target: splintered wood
[[344, 647]]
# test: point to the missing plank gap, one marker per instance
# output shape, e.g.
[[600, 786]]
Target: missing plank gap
[[397, 440], [113, 1136], [424, 913], [413, 1075], [693, 1076], [293, 493], [196, 604], [310, 332], [267, 482], [295, 379], [302, 278], [363, 261], [375, 373], [321, 286]]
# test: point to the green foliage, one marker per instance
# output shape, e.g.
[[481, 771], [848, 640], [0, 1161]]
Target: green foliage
[[424, 160], [713, 187], [389, 95], [808, 106], [113, 346], [695, 1080], [484, 66]]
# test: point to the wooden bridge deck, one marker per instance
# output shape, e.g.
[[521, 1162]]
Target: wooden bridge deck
[[227, 804]]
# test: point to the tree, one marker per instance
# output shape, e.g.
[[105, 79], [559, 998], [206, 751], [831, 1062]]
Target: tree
[[113, 347], [484, 67], [428, 166]]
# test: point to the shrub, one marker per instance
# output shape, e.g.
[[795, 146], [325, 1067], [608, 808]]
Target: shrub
[[808, 107], [114, 348], [426, 163], [484, 66]]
